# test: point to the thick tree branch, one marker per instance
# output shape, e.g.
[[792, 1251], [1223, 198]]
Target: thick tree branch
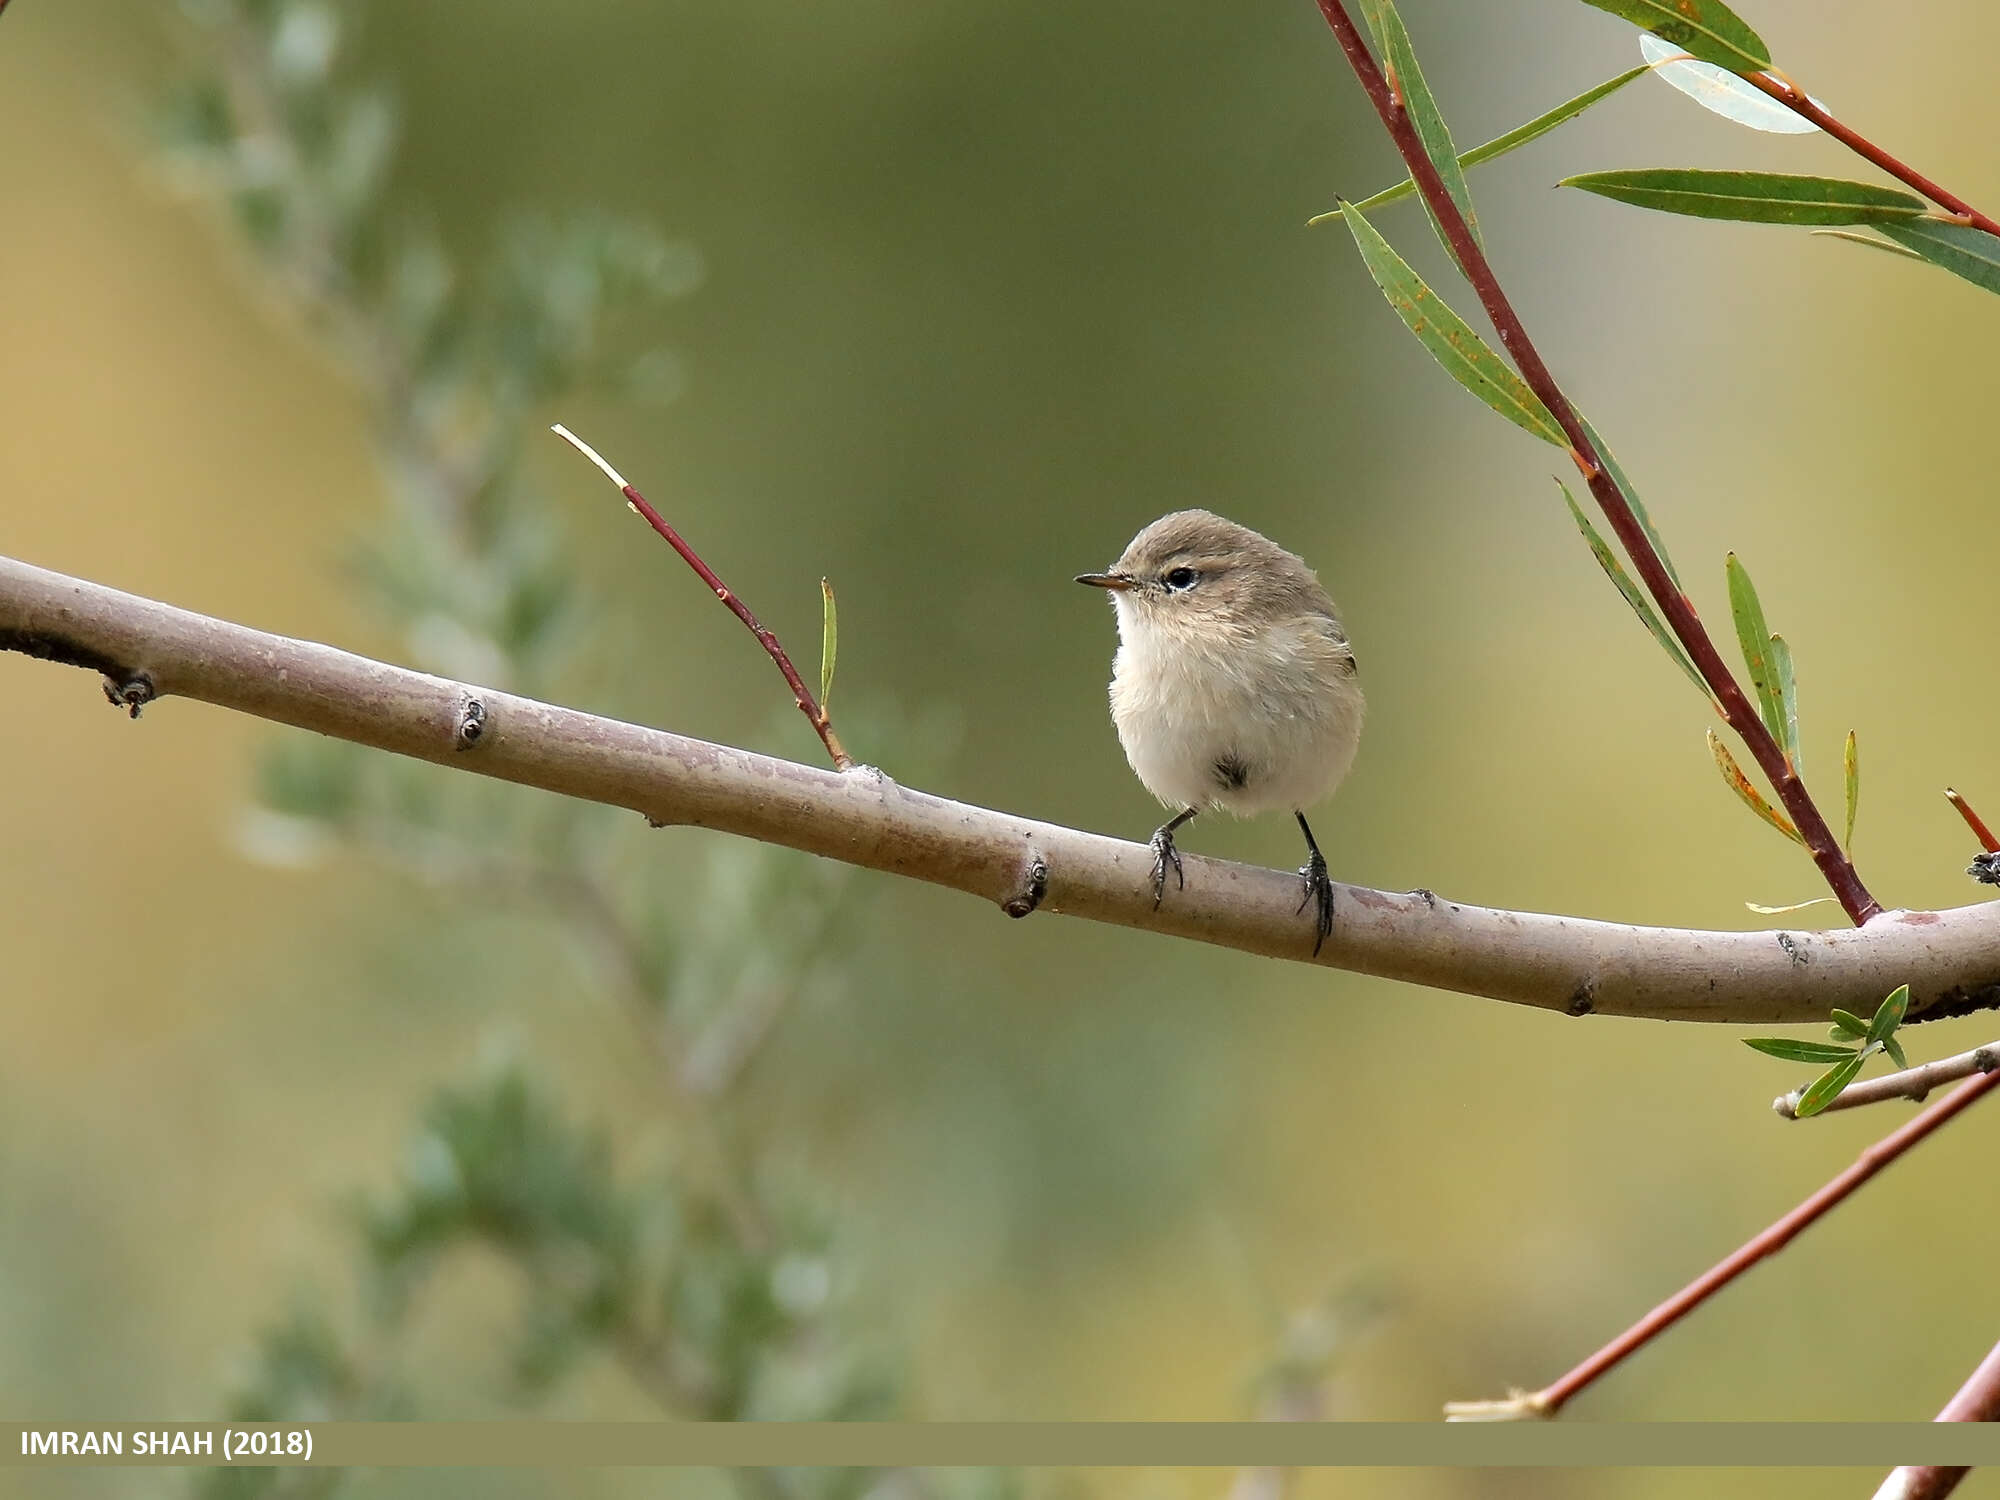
[[148, 650]]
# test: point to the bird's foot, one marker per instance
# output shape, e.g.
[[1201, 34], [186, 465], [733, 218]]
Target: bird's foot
[[1164, 854], [1313, 873]]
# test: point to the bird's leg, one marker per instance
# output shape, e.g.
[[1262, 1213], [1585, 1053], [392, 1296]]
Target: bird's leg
[[1164, 853], [1313, 873]]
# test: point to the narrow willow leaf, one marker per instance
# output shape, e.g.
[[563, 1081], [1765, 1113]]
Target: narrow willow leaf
[[1755, 639], [1707, 29], [1780, 911], [1752, 798], [1392, 40], [1631, 494], [1720, 91], [1842, 1033], [1958, 248], [1895, 1050], [829, 642], [1752, 197], [1786, 684], [1865, 239], [1847, 1020], [1851, 764], [1450, 339], [1791, 1051], [1634, 595], [1826, 1088], [1500, 145], [1889, 1015]]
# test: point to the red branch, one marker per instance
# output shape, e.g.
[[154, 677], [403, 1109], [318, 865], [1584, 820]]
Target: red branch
[[1794, 98], [812, 708], [1841, 876], [808, 705], [1973, 821], [1978, 1400], [1550, 1400]]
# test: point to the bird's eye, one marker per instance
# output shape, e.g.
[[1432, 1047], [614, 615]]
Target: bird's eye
[[1180, 578]]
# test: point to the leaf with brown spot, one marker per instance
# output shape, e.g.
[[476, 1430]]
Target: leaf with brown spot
[[1826, 1088], [1449, 338], [1706, 29], [1754, 636], [1752, 798]]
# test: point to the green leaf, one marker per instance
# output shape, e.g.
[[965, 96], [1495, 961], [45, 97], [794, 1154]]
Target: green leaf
[[1958, 248], [1791, 1051], [1895, 1050], [1500, 145], [1450, 339], [1851, 764], [1842, 1033], [1631, 494], [1706, 29], [1752, 197], [1634, 595], [1755, 639], [1826, 1088], [1847, 1020], [1752, 798], [1399, 61], [829, 642], [1889, 1014], [1787, 688], [1865, 239]]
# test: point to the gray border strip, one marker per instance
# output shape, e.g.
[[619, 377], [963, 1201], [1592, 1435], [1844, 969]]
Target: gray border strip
[[1052, 1444]]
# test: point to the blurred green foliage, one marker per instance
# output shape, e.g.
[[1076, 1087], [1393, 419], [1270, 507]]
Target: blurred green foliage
[[719, 1294]]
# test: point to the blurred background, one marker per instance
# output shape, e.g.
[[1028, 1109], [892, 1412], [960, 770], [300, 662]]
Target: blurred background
[[942, 302]]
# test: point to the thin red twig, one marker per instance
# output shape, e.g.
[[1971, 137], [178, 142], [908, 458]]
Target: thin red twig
[[1839, 872], [1973, 821], [1978, 1400], [808, 705], [1794, 98], [1551, 1399], [815, 713]]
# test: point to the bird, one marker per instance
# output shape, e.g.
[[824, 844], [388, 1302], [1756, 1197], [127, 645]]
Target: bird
[[1234, 687]]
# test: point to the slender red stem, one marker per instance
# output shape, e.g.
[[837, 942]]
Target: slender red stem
[[808, 705], [1973, 821], [1794, 99], [1978, 1400], [1551, 1399], [1839, 872]]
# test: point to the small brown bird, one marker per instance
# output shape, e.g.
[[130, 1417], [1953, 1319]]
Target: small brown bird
[[1234, 686]]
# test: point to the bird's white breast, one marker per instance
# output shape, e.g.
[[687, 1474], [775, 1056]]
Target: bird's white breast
[[1277, 702]]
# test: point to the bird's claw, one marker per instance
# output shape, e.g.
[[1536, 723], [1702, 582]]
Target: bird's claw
[[1313, 873], [1164, 854]]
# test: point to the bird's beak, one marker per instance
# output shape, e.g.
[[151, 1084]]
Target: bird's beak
[[1118, 581]]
